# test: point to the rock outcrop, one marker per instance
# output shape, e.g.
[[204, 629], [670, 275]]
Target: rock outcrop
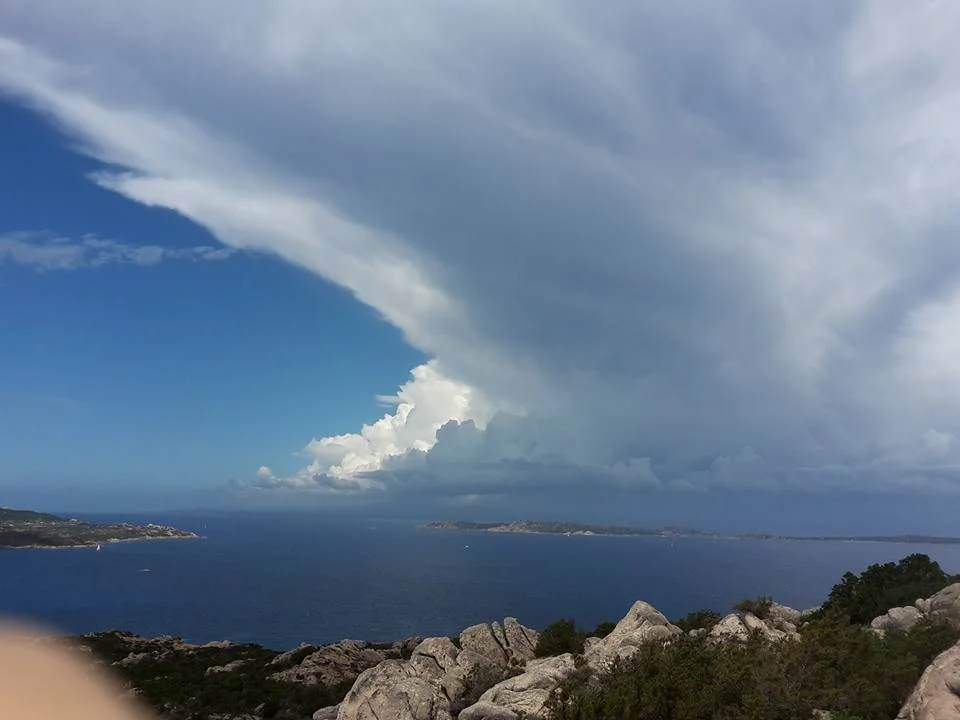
[[336, 663], [937, 694], [499, 644], [524, 695], [229, 667], [898, 618], [641, 625], [437, 680], [431, 684], [779, 624], [327, 713], [943, 606]]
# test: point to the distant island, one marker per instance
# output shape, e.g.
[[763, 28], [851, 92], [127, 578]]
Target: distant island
[[29, 529], [581, 529]]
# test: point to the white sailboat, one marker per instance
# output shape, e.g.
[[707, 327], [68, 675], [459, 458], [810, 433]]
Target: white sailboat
[[98, 547]]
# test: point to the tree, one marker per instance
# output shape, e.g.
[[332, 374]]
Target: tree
[[883, 586], [603, 629], [560, 637]]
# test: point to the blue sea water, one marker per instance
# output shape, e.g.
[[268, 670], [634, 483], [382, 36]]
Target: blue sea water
[[282, 579]]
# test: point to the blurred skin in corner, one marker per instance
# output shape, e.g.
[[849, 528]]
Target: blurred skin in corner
[[43, 678]]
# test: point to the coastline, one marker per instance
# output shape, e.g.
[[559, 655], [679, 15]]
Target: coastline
[[536, 528], [109, 541]]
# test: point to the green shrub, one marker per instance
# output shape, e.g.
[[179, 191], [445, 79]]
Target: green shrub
[[883, 586], [560, 637], [835, 666], [603, 629], [698, 620], [759, 606], [178, 688]]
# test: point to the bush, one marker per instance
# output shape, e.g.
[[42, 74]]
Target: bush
[[759, 606], [698, 620], [603, 629], [480, 679], [835, 666], [883, 586], [560, 637], [178, 688]]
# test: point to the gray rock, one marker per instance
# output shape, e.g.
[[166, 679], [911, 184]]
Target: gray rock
[[285, 657], [229, 667], [737, 628], [327, 713], [501, 645], [527, 693], [397, 690], [944, 606], [521, 640], [642, 624], [779, 616], [137, 657], [755, 624], [897, 619], [479, 639], [332, 664], [437, 657], [937, 694], [524, 695], [730, 628]]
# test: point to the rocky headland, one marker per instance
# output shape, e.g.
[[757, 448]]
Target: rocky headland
[[29, 529]]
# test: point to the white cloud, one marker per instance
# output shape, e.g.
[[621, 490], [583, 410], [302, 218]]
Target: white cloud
[[692, 245], [423, 404], [46, 252]]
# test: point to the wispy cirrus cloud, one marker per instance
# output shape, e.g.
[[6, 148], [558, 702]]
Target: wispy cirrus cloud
[[46, 252]]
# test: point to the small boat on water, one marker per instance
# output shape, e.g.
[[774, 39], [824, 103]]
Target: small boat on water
[[98, 548]]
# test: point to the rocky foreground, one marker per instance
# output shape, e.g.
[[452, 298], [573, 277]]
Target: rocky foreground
[[488, 672]]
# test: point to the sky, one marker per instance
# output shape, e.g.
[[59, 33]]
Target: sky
[[644, 261]]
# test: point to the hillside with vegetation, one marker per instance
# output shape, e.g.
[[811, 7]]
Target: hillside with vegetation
[[29, 529], [837, 663]]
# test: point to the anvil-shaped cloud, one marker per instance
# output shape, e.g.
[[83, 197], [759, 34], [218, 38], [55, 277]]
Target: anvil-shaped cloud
[[691, 244]]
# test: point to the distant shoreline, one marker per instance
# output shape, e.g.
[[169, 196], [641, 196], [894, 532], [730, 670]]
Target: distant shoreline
[[29, 530], [526, 527], [93, 545]]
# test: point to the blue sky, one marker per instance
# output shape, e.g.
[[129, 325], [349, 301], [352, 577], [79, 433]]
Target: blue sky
[[165, 378], [491, 257]]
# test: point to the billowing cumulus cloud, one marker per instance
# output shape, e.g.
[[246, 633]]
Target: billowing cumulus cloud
[[647, 243]]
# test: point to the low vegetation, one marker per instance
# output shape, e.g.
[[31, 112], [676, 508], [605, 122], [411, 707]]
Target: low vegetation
[[881, 587], [835, 665], [698, 620], [563, 636], [178, 686], [838, 664], [759, 607]]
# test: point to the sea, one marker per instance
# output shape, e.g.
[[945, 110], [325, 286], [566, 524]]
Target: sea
[[280, 579]]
